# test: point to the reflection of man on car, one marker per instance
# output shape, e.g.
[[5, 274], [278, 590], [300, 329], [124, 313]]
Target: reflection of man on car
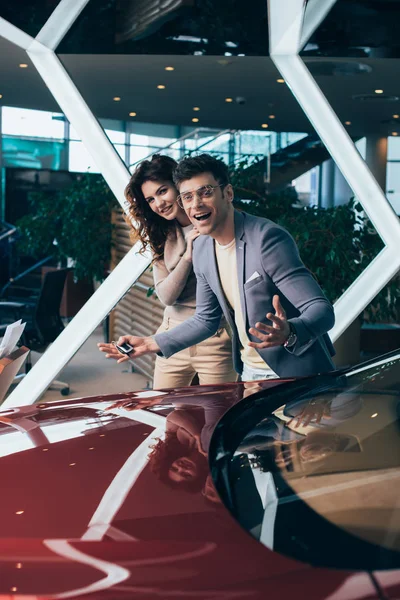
[[305, 428]]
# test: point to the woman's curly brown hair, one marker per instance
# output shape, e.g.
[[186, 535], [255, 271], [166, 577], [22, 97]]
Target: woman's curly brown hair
[[147, 227], [165, 452]]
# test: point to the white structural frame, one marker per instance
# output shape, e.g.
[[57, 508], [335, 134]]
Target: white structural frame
[[41, 52], [290, 30], [288, 33]]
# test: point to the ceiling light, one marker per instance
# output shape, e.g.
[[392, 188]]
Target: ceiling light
[[1, 95], [280, 80], [227, 53], [116, 99], [170, 68], [271, 116], [132, 114], [161, 87], [347, 122], [394, 116], [378, 91], [374, 415], [23, 66], [189, 38], [228, 99], [264, 125], [20, 512], [18, 566], [394, 133], [196, 108], [195, 120]]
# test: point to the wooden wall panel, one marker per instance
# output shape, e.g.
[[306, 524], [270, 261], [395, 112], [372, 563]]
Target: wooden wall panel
[[136, 313]]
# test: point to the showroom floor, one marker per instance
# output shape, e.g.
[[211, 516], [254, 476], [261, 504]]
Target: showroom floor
[[90, 373]]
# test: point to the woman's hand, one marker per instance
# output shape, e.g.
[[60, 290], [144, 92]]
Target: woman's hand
[[192, 235]]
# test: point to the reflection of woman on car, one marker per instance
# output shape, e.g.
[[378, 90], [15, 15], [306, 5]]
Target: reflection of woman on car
[[161, 224]]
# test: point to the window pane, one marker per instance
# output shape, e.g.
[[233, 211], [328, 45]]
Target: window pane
[[33, 153], [117, 137], [394, 148], [32, 123], [393, 185], [80, 159]]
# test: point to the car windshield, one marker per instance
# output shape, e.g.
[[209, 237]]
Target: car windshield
[[311, 469]]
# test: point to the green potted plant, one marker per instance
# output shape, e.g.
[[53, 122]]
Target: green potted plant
[[74, 226]]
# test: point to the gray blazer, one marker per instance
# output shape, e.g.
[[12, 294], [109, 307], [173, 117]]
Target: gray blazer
[[268, 263]]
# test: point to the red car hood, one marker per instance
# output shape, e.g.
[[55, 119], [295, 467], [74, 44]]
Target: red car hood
[[84, 512]]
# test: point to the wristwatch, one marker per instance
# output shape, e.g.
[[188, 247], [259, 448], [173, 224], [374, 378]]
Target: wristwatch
[[292, 338]]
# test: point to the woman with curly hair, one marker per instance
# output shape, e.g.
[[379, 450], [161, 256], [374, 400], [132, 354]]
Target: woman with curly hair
[[159, 223]]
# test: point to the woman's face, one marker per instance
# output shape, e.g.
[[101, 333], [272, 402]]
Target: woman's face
[[183, 469], [161, 197]]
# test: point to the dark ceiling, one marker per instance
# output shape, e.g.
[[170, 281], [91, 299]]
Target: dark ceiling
[[354, 52]]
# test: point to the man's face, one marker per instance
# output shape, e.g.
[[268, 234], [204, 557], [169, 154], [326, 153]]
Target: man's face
[[207, 208]]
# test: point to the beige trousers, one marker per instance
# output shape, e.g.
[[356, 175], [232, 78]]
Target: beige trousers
[[211, 360]]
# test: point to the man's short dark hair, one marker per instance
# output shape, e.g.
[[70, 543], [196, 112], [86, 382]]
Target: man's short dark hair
[[191, 166]]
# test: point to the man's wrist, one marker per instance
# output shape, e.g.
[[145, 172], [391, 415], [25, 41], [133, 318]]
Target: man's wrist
[[152, 345], [292, 337]]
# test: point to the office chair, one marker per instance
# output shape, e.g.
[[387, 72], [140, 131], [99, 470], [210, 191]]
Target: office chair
[[43, 321]]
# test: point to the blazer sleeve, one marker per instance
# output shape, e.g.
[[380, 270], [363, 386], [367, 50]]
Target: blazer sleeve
[[202, 325], [281, 261], [170, 285]]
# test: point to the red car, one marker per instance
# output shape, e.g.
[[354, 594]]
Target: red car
[[278, 490]]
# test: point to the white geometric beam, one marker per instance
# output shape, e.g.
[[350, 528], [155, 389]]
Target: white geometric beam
[[114, 172], [315, 13], [355, 170], [60, 22], [340, 145], [285, 25], [78, 330]]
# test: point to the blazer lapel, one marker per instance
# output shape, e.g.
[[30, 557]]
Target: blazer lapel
[[240, 260]]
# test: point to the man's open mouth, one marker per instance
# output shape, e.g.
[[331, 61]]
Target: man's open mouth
[[202, 216]]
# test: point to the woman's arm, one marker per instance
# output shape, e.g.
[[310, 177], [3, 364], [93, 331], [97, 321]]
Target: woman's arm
[[169, 286]]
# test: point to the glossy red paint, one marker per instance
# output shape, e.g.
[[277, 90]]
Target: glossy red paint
[[86, 514]]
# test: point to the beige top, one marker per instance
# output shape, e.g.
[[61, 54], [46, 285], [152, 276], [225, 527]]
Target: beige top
[[227, 267], [174, 279]]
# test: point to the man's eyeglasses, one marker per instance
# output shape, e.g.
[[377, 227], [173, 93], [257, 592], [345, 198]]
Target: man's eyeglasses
[[205, 191]]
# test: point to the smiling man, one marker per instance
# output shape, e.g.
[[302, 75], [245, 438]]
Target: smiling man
[[248, 268]]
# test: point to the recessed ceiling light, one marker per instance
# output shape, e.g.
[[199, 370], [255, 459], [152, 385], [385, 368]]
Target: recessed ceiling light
[[1, 95], [228, 99], [132, 114], [161, 87], [280, 80], [195, 120], [394, 116], [378, 91], [170, 68], [116, 99], [23, 66], [196, 108], [264, 125], [347, 122], [271, 116], [394, 133]]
